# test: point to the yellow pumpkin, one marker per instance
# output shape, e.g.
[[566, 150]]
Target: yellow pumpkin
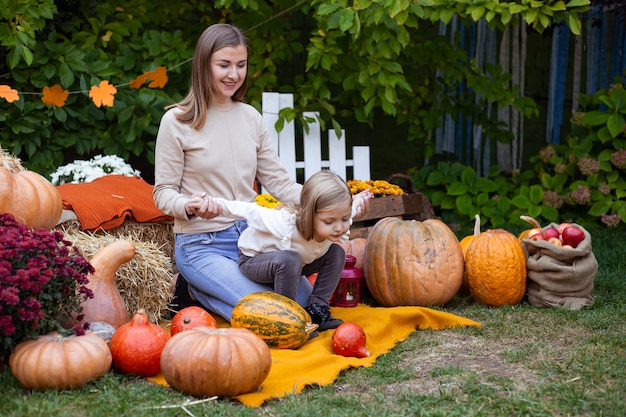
[[30, 198], [495, 265], [409, 262]]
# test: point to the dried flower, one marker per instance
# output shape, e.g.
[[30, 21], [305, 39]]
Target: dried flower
[[618, 159], [611, 220], [42, 281], [560, 168], [546, 153], [580, 196], [552, 199], [588, 166], [604, 188], [86, 171]]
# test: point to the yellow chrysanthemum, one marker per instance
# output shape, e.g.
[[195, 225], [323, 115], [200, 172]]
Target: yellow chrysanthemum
[[379, 188]]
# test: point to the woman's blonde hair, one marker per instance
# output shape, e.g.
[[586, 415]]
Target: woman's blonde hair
[[198, 100], [323, 191]]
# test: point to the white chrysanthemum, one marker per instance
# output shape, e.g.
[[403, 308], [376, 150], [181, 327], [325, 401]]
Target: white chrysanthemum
[[81, 171]]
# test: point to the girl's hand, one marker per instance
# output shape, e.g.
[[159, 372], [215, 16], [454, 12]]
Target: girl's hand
[[361, 202], [203, 206]]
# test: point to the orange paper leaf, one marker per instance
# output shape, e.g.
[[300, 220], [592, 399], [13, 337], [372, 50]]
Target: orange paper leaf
[[103, 94], [158, 78], [54, 96], [8, 93]]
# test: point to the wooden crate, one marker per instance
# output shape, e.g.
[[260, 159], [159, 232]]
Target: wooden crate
[[405, 206]]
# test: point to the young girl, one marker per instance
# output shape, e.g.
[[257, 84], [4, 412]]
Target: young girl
[[281, 245]]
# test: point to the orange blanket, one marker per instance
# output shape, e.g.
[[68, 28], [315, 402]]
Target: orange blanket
[[106, 202], [315, 363]]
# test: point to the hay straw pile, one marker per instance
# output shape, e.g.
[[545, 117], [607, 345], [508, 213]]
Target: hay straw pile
[[10, 162], [144, 282]]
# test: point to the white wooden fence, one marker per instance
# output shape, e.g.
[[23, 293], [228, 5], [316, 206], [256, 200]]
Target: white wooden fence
[[287, 144]]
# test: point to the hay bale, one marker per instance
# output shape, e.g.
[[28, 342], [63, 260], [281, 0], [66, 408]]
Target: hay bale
[[10, 162], [144, 282], [161, 234]]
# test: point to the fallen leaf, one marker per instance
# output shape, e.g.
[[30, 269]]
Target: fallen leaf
[[103, 94], [8, 93], [54, 96]]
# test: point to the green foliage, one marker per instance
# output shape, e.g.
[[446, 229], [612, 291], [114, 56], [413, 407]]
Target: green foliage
[[344, 59], [581, 180]]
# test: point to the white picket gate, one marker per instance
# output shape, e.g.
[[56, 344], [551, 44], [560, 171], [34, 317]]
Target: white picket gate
[[287, 144]]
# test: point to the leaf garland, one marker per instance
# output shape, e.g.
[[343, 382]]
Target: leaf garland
[[101, 95]]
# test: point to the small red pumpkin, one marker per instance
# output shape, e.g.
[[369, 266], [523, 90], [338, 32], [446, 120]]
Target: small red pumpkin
[[136, 346], [190, 317], [349, 339]]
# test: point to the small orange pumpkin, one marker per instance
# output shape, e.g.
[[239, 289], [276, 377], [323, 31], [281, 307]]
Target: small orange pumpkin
[[136, 346], [208, 361], [495, 265], [464, 244], [356, 248], [349, 340], [56, 361], [409, 262], [30, 198], [190, 317]]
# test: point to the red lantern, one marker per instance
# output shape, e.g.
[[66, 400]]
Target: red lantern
[[348, 292]]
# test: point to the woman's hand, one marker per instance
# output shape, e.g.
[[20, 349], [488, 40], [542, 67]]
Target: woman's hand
[[362, 201], [203, 206]]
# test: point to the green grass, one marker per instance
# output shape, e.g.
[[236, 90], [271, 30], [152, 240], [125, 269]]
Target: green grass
[[523, 361]]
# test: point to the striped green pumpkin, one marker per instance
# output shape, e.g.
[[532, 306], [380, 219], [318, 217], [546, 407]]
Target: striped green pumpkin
[[278, 320]]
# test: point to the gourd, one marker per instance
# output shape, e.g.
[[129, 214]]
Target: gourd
[[208, 361], [356, 248], [103, 330], [408, 262], [107, 303], [495, 264], [137, 345], [349, 340], [276, 319], [57, 361], [190, 317], [464, 244], [533, 222], [30, 198]]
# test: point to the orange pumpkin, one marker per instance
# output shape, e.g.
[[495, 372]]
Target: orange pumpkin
[[30, 198], [408, 262], [464, 244], [136, 346], [56, 361], [190, 317], [349, 340], [495, 264], [356, 248], [208, 361]]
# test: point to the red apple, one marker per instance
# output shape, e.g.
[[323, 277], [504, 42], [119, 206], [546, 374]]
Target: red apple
[[572, 236], [534, 234], [562, 227], [549, 233], [555, 241]]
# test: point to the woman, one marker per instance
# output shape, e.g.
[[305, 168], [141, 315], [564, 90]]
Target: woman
[[211, 143]]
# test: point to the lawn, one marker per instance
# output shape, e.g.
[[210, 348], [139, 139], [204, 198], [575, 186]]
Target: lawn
[[523, 361]]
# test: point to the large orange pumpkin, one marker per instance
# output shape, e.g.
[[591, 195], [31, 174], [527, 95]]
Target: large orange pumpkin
[[408, 262], [56, 361], [495, 264], [30, 198], [207, 361]]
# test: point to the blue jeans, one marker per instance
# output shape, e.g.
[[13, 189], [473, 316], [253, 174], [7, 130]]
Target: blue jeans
[[208, 261]]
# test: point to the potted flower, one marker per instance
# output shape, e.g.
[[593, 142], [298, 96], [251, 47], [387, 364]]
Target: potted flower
[[81, 171], [43, 280]]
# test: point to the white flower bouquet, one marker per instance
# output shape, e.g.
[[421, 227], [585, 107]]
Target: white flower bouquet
[[81, 171]]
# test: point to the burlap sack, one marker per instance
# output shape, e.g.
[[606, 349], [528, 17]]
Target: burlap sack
[[560, 277]]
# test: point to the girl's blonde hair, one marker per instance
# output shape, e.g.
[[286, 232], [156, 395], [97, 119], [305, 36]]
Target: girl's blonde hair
[[198, 100], [323, 191]]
